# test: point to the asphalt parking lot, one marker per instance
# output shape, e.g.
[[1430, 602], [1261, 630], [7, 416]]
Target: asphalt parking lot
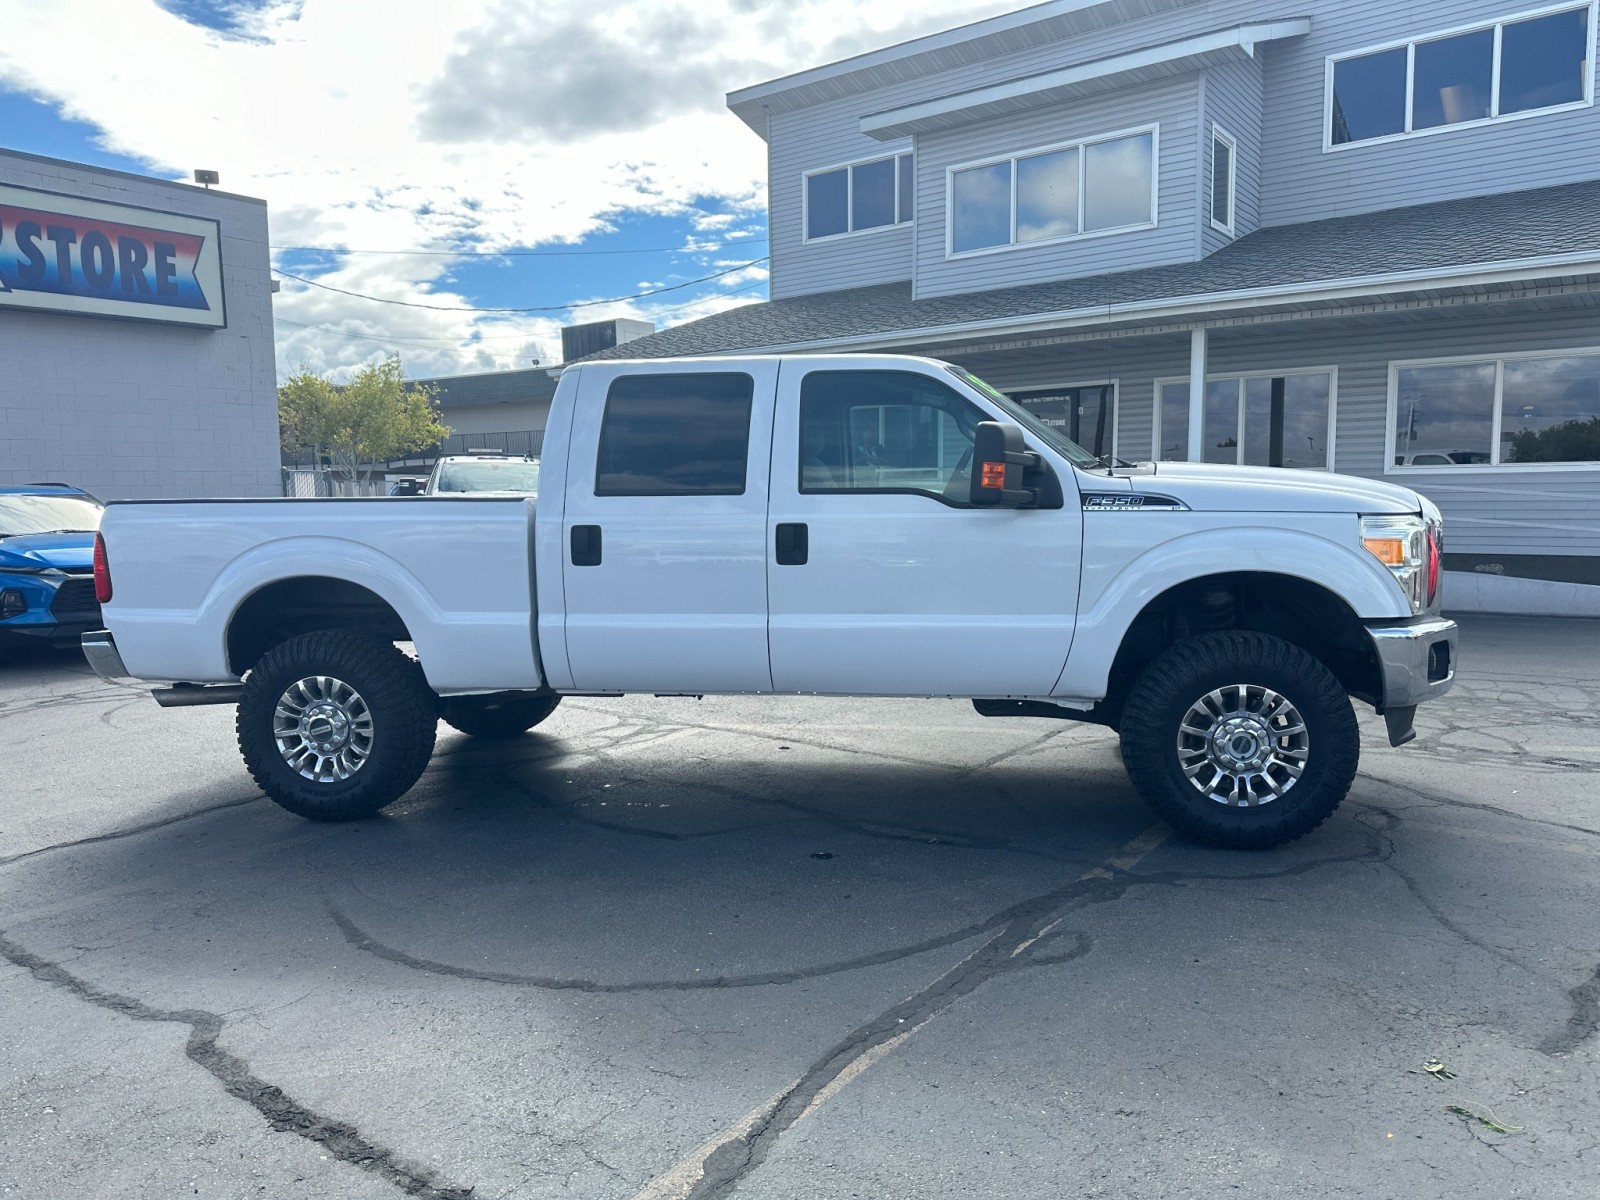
[[800, 948]]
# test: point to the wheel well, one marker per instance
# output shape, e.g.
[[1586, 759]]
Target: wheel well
[[288, 607], [1296, 610]]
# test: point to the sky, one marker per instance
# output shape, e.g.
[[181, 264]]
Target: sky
[[476, 154]]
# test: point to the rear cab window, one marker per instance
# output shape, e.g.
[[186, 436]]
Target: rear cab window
[[675, 435]]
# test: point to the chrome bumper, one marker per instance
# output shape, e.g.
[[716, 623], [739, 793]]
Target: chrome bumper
[[1418, 662], [101, 650]]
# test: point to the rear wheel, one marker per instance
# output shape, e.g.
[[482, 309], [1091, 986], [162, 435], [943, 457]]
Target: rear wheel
[[500, 716], [335, 725], [1241, 740]]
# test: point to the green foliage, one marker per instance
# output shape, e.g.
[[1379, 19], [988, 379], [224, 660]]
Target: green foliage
[[1571, 441], [373, 417]]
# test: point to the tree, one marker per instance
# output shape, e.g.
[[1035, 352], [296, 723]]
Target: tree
[[373, 417], [1571, 441]]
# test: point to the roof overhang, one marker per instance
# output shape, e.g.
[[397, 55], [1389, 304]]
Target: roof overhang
[[914, 60], [1199, 309], [1149, 65]]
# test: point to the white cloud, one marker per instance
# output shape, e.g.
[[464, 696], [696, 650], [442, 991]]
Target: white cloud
[[463, 125]]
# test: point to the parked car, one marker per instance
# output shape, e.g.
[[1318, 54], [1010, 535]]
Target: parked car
[[484, 474], [47, 562], [1221, 618], [1441, 458]]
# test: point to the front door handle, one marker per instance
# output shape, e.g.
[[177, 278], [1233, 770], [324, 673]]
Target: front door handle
[[792, 544], [586, 545]]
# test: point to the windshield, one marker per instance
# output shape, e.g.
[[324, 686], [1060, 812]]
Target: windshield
[[1054, 438], [488, 476], [48, 514]]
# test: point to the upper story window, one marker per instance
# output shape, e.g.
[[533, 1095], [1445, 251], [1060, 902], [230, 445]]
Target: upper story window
[[1525, 64], [1223, 170], [876, 194], [1099, 185], [675, 435], [1497, 412]]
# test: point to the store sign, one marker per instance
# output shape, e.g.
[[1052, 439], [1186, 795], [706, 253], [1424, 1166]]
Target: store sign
[[68, 255]]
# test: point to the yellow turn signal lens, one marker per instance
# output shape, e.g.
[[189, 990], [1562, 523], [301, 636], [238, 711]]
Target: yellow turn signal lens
[[1389, 551], [994, 476]]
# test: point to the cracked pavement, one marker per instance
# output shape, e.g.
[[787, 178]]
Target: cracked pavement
[[799, 947]]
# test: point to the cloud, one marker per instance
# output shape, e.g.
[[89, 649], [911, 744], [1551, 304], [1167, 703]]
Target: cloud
[[514, 77], [474, 125]]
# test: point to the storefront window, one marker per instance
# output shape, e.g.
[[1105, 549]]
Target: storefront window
[[1498, 412], [1253, 420], [1084, 414]]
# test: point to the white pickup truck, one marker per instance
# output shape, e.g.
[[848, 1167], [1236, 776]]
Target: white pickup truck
[[859, 525]]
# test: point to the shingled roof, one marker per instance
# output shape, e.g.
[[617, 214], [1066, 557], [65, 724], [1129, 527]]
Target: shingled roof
[[1396, 250], [492, 387]]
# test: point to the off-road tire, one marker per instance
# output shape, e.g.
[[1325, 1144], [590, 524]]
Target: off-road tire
[[404, 712], [497, 716], [1192, 669]]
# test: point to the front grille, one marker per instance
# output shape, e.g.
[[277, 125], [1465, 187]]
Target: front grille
[[74, 602]]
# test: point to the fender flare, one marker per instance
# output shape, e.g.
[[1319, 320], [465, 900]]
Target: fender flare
[[1354, 576]]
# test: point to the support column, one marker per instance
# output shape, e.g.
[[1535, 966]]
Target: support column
[[1197, 393]]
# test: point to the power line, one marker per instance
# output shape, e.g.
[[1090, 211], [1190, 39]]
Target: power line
[[509, 337], [677, 287], [529, 253]]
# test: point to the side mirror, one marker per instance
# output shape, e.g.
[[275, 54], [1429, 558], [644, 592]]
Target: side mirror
[[1000, 459]]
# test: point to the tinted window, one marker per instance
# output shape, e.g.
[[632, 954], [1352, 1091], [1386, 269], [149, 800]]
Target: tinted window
[[1222, 183], [872, 194], [1369, 96], [908, 186], [675, 435], [1173, 444], [827, 204], [1444, 410], [1550, 410], [1080, 413], [982, 200], [1543, 62], [884, 431], [1047, 196], [1117, 177], [1452, 79]]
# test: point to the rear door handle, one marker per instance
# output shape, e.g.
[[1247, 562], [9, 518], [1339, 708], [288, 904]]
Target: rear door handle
[[792, 544], [586, 545]]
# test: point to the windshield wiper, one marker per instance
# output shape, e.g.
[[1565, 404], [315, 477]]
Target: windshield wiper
[[1108, 462]]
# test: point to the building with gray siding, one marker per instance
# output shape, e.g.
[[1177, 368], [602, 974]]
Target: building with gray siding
[[1360, 236], [136, 349]]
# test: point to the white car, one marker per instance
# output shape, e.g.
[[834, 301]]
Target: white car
[[712, 526], [481, 474]]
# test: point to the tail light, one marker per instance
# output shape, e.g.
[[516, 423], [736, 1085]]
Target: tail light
[[102, 571]]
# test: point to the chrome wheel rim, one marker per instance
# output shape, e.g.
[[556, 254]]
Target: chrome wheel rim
[[1243, 745], [323, 729]]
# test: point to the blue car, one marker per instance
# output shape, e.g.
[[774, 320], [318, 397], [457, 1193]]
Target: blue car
[[47, 563]]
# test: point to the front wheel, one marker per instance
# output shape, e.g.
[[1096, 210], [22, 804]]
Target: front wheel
[[500, 716], [1239, 739], [335, 725]]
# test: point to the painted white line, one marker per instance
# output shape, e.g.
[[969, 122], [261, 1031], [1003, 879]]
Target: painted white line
[[678, 1182]]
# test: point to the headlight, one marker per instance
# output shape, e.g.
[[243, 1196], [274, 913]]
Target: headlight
[[1411, 548]]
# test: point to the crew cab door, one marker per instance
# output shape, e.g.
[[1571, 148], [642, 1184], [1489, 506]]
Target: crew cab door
[[904, 588], [664, 528]]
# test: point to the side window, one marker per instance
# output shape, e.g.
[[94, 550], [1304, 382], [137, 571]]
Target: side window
[[675, 435], [884, 431]]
